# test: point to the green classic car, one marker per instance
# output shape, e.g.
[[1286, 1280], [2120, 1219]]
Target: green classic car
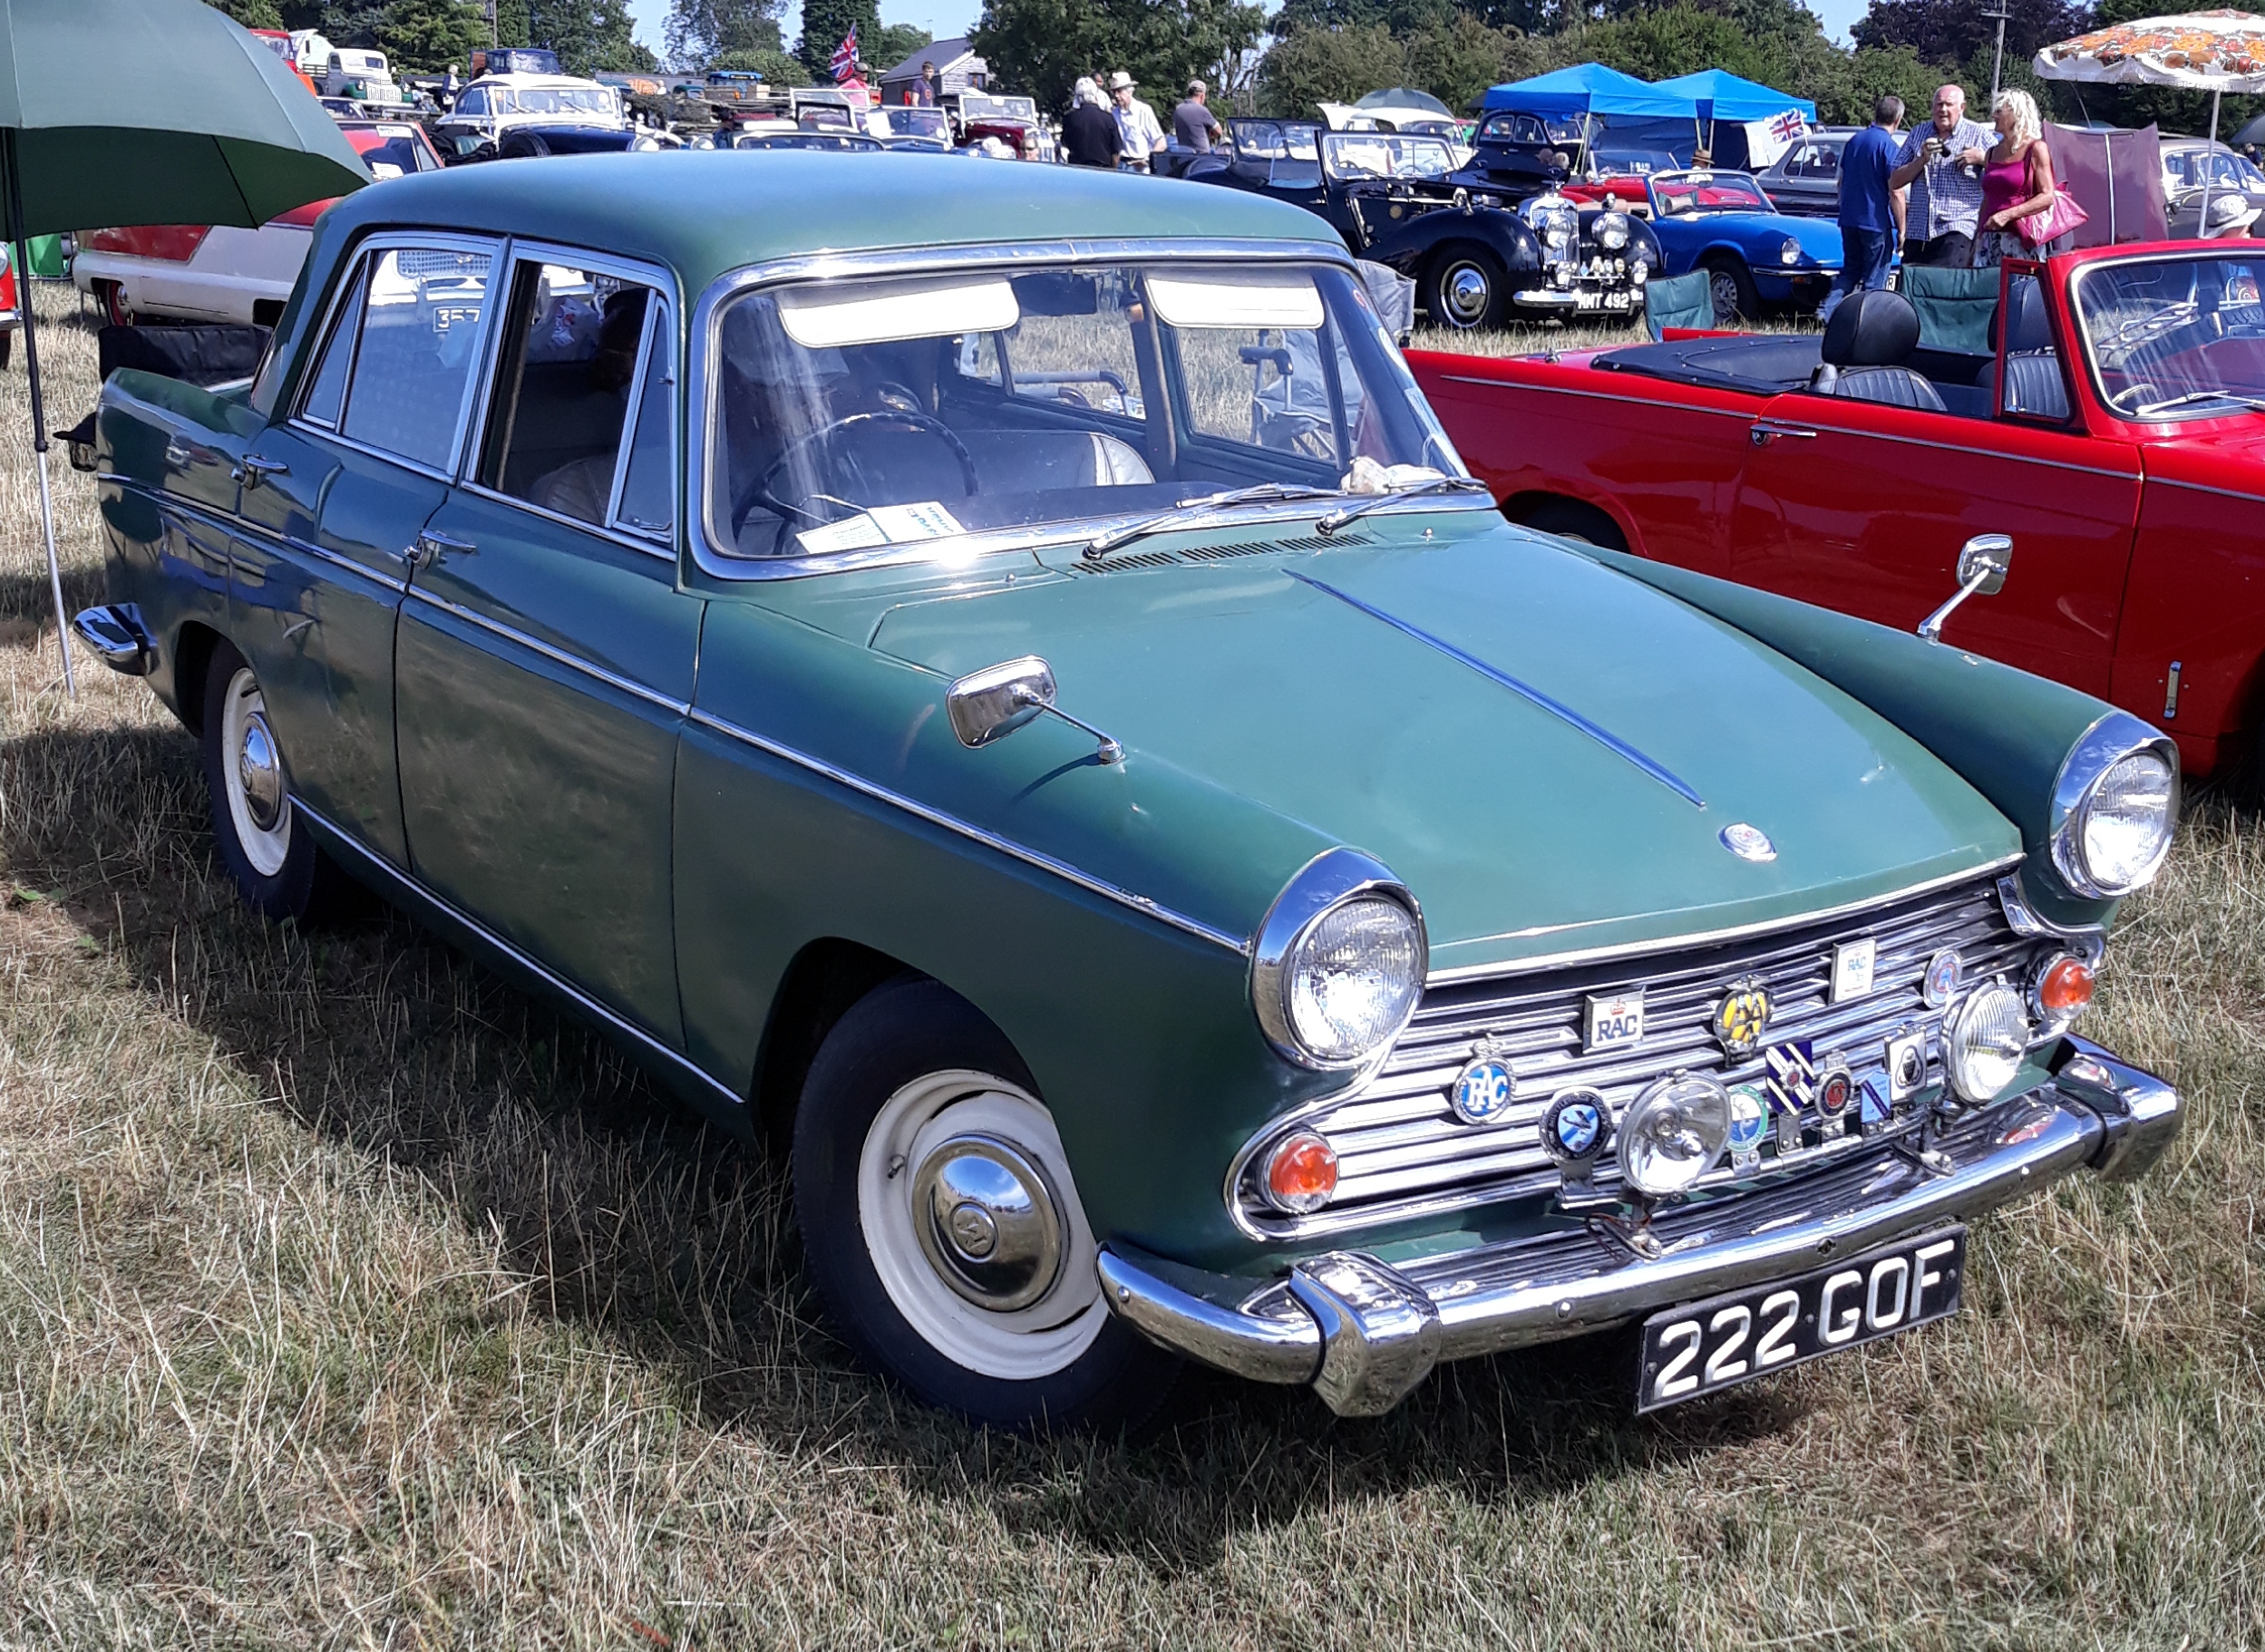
[[998, 683]]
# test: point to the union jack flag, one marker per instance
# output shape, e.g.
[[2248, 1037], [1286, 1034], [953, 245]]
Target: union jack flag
[[845, 57], [1784, 128]]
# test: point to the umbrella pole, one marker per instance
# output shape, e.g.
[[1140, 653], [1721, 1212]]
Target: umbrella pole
[[2209, 165], [39, 421]]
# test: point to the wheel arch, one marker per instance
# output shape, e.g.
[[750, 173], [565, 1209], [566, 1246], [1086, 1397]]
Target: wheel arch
[[1524, 508], [823, 982], [193, 646]]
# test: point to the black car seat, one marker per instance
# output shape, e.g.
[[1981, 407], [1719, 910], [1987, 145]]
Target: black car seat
[[2032, 381], [1866, 344]]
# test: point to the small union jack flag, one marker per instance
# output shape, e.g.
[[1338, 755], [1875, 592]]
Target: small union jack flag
[[845, 56], [1784, 128]]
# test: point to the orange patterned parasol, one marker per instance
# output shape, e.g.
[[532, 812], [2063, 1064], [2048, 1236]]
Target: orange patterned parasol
[[2199, 52]]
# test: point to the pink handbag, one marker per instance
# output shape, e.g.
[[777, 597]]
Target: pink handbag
[[2057, 220]]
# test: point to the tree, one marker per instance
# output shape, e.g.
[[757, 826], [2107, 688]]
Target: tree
[[895, 43], [701, 32], [1328, 65], [1040, 47], [251, 14], [775, 65], [513, 25], [1457, 62], [588, 34], [1953, 31], [424, 36], [825, 22]]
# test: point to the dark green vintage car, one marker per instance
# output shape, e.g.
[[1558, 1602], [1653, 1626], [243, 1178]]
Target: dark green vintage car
[[997, 682]]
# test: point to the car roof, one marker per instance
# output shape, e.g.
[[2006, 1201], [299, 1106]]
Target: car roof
[[704, 212]]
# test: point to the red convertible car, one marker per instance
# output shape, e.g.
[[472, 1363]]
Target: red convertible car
[[2114, 426]]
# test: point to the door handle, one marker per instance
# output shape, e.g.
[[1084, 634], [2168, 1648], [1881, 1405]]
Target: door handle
[[431, 546], [1765, 429], [252, 469]]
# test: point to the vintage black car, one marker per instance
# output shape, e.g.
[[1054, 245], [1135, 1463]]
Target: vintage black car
[[1477, 260], [1517, 155]]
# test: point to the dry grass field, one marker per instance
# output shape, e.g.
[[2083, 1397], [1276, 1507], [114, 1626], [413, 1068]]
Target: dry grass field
[[349, 1299]]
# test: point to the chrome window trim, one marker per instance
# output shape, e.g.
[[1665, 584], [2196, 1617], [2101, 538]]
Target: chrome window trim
[[573, 662], [640, 543], [325, 335], [1697, 937], [661, 282], [1331, 878], [2115, 736], [497, 248], [1145, 905], [702, 414], [633, 412], [2084, 335], [675, 1058]]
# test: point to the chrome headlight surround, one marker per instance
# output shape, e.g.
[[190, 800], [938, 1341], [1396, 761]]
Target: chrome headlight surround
[[2116, 739], [1329, 882], [1610, 231]]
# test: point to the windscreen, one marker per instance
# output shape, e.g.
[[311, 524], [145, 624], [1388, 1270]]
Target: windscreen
[[1276, 141], [866, 412], [1385, 155], [558, 101], [918, 123], [2176, 338], [1678, 192]]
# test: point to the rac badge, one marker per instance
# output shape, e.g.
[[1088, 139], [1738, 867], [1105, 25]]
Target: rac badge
[[1485, 1088], [1743, 1017]]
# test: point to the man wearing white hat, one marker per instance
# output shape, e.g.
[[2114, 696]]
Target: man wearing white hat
[[2231, 217], [1142, 135]]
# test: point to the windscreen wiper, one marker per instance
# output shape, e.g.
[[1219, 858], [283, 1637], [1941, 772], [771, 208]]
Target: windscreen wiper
[[2193, 397], [1377, 501], [1263, 492]]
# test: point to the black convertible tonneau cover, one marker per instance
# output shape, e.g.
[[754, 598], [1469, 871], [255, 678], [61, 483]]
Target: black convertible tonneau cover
[[1764, 365]]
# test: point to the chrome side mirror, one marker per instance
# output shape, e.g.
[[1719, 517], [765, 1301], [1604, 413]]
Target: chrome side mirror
[[991, 704], [1983, 563]]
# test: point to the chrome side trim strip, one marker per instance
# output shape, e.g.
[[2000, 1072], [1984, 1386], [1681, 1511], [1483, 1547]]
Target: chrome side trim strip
[[1142, 904], [612, 679], [1603, 396], [2202, 487], [1699, 937], [1556, 708], [581, 1000]]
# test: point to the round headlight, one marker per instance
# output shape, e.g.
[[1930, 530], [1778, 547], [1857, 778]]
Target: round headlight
[[1339, 968], [2114, 806], [1985, 1041], [1789, 252], [1611, 229], [1354, 979], [1673, 1133]]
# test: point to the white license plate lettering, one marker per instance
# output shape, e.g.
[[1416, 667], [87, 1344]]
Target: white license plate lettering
[[1704, 1346]]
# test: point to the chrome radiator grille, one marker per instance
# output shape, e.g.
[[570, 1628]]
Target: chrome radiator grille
[[1402, 1150]]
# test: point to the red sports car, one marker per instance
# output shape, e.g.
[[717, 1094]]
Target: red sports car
[[2113, 424]]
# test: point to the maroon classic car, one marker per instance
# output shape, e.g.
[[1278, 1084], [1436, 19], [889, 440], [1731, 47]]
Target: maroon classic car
[[2115, 428]]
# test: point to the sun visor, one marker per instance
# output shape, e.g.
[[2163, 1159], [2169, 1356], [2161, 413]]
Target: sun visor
[[876, 312], [1237, 299]]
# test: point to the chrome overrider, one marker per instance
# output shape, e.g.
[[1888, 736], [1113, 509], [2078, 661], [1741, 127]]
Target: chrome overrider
[[1363, 1332]]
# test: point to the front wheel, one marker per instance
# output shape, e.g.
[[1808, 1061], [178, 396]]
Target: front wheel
[[943, 1230], [1731, 286], [1466, 289], [278, 866]]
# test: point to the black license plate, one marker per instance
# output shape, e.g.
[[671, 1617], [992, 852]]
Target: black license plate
[[1704, 1347]]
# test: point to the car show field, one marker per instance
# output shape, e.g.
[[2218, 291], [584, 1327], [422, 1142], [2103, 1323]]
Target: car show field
[[345, 1281]]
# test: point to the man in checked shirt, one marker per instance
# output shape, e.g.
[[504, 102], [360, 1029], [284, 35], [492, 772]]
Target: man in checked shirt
[[1942, 161]]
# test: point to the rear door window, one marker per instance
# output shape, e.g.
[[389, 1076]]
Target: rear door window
[[418, 352]]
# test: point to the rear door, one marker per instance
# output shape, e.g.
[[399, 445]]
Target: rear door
[[1861, 507], [334, 492], [545, 655]]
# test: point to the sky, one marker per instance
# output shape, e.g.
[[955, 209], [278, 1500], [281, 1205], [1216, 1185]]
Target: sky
[[947, 18]]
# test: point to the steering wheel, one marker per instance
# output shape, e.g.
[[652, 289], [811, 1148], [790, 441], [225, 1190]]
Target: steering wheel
[[917, 423]]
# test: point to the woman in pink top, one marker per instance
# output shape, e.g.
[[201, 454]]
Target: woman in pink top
[[2016, 179]]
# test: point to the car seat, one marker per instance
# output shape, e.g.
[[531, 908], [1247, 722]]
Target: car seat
[[2033, 383], [1866, 343]]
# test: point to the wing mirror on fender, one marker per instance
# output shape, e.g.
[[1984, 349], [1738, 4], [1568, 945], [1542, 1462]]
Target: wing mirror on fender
[[993, 703], [1982, 564]]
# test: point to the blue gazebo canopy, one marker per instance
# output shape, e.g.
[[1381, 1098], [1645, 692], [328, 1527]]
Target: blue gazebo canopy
[[1723, 96], [1591, 89]]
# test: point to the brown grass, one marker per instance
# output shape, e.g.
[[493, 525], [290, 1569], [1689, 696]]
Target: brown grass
[[347, 1298]]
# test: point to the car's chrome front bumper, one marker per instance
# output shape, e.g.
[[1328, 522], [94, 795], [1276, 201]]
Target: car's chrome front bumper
[[1363, 1332]]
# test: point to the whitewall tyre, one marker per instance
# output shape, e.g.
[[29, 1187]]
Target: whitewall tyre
[[274, 861]]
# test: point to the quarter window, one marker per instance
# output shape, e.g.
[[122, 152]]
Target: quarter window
[[419, 344], [326, 394], [573, 346], [473, 103], [648, 482]]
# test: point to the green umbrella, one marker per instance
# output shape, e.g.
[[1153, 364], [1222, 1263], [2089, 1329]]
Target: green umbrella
[[147, 112]]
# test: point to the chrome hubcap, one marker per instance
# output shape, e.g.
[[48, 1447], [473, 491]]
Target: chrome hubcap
[[260, 772], [1466, 294], [988, 1222], [1726, 291]]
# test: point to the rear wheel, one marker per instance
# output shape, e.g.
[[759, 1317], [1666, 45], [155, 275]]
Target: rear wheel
[[1732, 288], [7, 347], [114, 308], [942, 1228], [278, 866], [1466, 289], [1568, 519]]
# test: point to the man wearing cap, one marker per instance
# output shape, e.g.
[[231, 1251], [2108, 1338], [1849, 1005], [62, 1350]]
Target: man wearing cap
[[2230, 218], [1089, 132], [1139, 135], [1194, 126]]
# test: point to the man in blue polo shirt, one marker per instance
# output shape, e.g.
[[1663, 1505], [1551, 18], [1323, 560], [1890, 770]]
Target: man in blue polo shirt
[[1868, 203]]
